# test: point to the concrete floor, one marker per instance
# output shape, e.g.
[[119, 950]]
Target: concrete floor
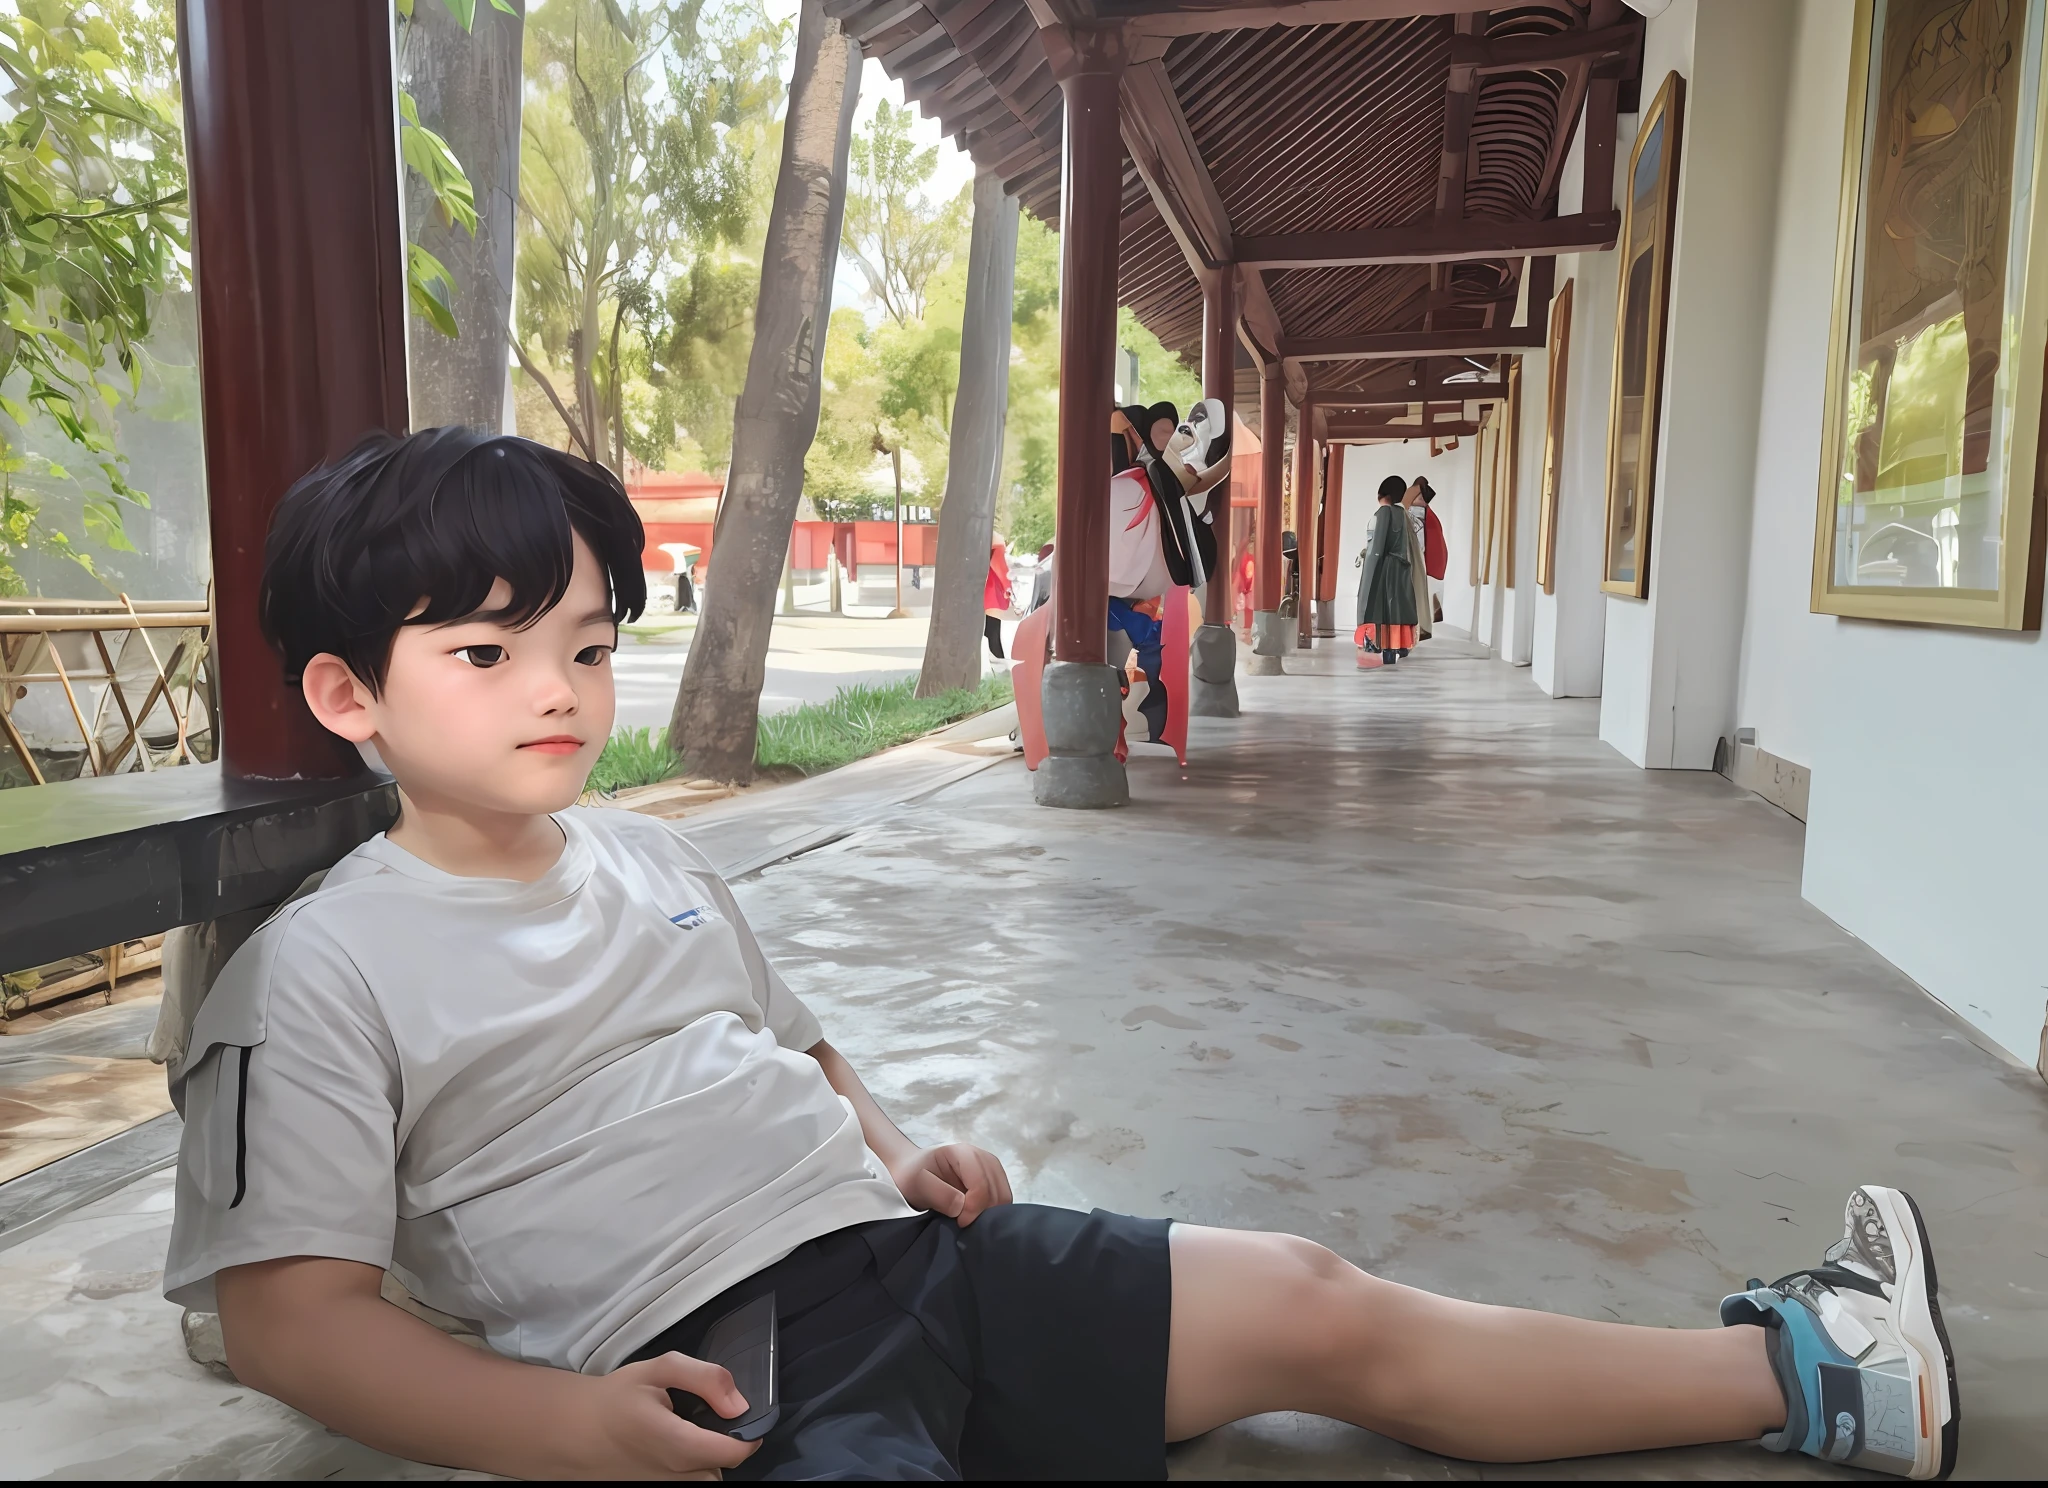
[[1406, 962]]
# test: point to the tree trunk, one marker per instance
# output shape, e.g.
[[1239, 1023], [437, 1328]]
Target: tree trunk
[[718, 706], [467, 88], [967, 511]]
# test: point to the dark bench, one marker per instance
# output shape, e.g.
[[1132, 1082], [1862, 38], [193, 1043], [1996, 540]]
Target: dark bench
[[90, 863]]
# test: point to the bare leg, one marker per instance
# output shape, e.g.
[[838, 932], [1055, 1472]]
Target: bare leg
[[1271, 1322]]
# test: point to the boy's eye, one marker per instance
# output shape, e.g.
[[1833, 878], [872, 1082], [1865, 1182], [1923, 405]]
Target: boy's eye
[[482, 656], [592, 655]]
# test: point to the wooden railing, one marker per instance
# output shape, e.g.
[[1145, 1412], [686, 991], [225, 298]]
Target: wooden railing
[[171, 673]]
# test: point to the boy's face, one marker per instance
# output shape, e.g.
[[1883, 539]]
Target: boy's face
[[476, 714]]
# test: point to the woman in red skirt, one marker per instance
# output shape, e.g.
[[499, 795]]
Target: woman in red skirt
[[1386, 586]]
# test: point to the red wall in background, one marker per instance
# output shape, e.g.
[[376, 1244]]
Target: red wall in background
[[866, 543]]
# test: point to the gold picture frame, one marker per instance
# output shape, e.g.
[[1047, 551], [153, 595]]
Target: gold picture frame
[[1553, 438], [1481, 549], [1649, 218], [1510, 462], [1930, 505]]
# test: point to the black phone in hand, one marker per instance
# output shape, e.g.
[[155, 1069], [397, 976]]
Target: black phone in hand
[[744, 1341]]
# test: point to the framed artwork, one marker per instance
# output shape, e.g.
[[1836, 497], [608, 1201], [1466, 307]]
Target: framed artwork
[[1647, 223], [1553, 439], [1510, 469], [1930, 450], [1483, 447]]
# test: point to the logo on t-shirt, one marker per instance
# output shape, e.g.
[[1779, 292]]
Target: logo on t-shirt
[[690, 919]]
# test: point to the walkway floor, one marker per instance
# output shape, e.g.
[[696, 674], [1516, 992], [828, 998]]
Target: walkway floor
[[810, 657], [1409, 963]]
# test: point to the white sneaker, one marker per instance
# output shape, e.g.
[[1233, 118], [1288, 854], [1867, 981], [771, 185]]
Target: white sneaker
[[1859, 1347]]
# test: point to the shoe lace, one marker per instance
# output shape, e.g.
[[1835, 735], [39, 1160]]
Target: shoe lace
[[1828, 1274]]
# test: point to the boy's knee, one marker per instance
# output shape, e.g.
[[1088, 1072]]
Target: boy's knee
[[1323, 1295]]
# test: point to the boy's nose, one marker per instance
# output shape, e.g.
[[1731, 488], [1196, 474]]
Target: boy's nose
[[555, 693]]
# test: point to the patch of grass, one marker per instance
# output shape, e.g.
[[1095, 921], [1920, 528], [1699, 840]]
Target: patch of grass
[[633, 756], [861, 720], [655, 627]]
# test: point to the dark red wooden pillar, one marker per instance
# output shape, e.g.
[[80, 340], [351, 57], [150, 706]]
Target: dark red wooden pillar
[[1219, 380], [299, 263], [1091, 207], [1268, 575]]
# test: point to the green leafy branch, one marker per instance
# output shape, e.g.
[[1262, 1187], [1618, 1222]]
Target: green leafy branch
[[92, 233], [429, 286]]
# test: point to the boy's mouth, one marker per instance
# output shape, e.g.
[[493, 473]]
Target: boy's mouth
[[557, 744]]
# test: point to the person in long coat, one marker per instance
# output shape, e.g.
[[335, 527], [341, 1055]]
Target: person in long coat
[[1386, 584], [1418, 569]]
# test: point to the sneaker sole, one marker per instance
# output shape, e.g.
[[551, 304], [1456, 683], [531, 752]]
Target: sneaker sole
[[1917, 1315]]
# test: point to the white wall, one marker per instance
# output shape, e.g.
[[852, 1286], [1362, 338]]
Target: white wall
[[1785, 645], [1929, 801], [1569, 640], [1518, 629], [1670, 671], [1450, 474]]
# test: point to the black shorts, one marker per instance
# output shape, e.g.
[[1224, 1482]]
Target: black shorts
[[1031, 1344]]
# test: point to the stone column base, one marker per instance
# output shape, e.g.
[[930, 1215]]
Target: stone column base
[[1326, 617], [1083, 711], [1272, 638], [1212, 664]]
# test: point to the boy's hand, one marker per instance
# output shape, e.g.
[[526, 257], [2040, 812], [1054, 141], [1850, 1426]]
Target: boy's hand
[[956, 1180], [635, 1433]]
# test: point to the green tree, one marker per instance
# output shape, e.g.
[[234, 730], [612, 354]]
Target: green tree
[[897, 236], [631, 186], [889, 387], [839, 468], [718, 705], [697, 360], [92, 234], [460, 73]]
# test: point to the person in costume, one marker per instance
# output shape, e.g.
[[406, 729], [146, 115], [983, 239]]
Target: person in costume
[[1436, 553], [1158, 540], [1411, 502], [1386, 589]]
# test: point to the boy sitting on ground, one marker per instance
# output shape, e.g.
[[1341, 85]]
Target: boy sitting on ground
[[530, 1058]]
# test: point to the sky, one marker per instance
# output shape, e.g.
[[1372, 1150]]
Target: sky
[[955, 168]]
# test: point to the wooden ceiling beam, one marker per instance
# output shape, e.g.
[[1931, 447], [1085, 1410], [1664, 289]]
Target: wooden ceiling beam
[[1445, 392], [1486, 54], [1193, 17], [1345, 431], [1432, 242], [1387, 345], [1460, 97], [1260, 330], [1164, 153], [1163, 149]]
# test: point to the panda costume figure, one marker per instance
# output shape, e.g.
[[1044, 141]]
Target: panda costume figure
[[1158, 541], [1160, 545]]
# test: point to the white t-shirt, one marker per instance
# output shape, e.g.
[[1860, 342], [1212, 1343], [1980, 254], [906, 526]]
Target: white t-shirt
[[571, 1111]]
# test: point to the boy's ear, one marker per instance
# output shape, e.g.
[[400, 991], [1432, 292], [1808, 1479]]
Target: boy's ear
[[339, 702]]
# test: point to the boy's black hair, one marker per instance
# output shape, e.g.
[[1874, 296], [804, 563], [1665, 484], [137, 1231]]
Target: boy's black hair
[[1428, 491], [1153, 415], [436, 517], [1393, 488]]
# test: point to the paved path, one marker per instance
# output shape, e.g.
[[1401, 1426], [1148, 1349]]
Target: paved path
[[1409, 963], [810, 657]]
